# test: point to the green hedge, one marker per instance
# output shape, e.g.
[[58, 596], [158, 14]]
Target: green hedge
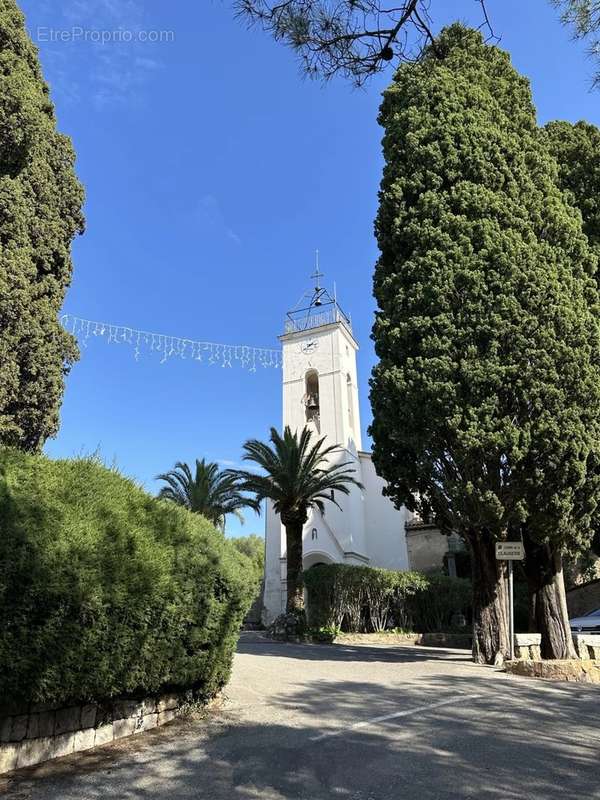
[[107, 591], [434, 607], [252, 546], [365, 599]]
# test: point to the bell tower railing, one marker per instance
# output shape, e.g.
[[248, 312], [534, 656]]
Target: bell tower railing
[[316, 308], [305, 319]]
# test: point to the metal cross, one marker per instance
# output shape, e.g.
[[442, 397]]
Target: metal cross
[[317, 274]]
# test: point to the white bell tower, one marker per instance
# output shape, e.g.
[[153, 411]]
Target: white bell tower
[[320, 390], [319, 370]]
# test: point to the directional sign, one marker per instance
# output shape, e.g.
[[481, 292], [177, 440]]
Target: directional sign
[[510, 551]]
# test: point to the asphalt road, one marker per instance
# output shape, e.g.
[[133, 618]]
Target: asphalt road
[[351, 722]]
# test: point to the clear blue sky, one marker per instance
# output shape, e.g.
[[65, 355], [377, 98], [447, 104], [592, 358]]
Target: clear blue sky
[[213, 171]]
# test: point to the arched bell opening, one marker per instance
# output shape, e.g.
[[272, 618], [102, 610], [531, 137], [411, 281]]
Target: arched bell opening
[[350, 401], [311, 399]]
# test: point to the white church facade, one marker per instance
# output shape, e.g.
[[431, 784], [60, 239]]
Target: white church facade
[[320, 389]]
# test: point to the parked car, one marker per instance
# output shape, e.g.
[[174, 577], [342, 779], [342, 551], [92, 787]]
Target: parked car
[[590, 622]]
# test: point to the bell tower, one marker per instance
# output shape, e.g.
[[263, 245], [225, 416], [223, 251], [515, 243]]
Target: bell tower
[[320, 387], [320, 391]]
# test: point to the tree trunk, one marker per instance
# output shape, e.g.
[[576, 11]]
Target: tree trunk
[[293, 539], [490, 602], [547, 599]]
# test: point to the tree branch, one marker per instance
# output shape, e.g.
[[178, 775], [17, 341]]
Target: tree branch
[[356, 38]]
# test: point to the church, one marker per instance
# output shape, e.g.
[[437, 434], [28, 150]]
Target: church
[[320, 389]]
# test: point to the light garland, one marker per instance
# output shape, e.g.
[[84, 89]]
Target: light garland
[[227, 355]]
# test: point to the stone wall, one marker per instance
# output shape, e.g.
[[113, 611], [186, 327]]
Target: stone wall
[[46, 732], [576, 670], [426, 547], [587, 645], [458, 641], [527, 646], [529, 664], [583, 598]]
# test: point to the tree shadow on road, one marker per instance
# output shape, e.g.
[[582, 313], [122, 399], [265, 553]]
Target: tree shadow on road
[[501, 738], [348, 652]]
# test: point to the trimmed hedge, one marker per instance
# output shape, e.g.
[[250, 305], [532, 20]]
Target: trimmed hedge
[[106, 591], [433, 608], [366, 599]]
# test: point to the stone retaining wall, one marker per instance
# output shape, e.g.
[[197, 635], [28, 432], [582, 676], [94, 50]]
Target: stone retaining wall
[[527, 646], [47, 732], [376, 638], [460, 641], [285, 629], [574, 670], [587, 645], [528, 660]]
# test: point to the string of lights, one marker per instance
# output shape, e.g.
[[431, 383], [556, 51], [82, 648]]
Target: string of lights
[[166, 347]]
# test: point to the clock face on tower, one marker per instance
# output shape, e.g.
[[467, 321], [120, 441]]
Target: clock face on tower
[[309, 346]]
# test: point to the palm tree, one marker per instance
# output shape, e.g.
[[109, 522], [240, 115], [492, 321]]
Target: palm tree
[[297, 478], [212, 492]]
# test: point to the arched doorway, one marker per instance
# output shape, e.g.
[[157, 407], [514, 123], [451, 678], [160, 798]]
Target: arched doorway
[[314, 558]]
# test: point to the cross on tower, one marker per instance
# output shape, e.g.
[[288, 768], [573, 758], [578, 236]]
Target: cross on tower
[[317, 274]]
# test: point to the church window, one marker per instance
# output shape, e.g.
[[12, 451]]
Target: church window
[[311, 398], [350, 402]]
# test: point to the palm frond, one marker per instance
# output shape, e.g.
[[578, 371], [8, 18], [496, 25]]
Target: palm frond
[[175, 496], [212, 492], [295, 470]]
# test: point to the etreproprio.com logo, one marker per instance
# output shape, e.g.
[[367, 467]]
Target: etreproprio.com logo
[[78, 33]]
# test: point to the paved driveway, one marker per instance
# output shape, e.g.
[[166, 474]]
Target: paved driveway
[[356, 723]]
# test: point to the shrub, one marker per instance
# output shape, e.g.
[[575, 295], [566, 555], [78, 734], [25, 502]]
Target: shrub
[[325, 635], [252, 546], [365, 599], [107, 591], [358, 599], [433, 608], [462, 563]]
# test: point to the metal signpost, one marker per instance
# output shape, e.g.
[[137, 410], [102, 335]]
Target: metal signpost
[[510, 551]]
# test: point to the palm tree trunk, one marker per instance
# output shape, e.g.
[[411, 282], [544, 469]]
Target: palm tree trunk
[[295, 594]]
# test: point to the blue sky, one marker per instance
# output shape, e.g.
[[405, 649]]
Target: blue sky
[[213, 171]]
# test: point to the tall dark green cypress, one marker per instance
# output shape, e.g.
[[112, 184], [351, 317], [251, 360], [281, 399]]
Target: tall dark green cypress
[[40, 213], [486, 395], [576, 148]]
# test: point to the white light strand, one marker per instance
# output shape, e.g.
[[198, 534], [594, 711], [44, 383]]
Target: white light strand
[[227, 355]]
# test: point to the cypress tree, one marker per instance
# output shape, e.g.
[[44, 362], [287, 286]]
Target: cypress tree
[[40, 213], [486, 392], [576, 148]]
